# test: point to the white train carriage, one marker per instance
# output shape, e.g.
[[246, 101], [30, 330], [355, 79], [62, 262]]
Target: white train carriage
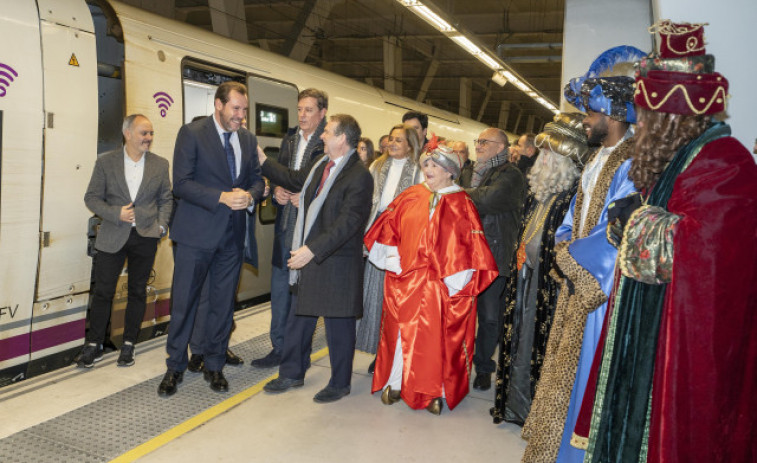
[[69, 72]]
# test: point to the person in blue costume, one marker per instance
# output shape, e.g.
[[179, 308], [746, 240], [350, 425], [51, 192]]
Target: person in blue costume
[[585, 267]]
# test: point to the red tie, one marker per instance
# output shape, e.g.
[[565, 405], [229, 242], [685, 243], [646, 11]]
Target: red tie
[[324, 176]]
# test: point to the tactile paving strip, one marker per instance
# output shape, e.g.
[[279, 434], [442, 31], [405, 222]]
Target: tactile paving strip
[[109, 427]]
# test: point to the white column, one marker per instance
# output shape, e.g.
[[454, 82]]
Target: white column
[[592, 27], [730, 38], [466, 92]]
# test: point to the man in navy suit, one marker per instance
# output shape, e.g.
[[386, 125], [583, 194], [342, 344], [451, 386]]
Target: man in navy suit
[[216, 180]]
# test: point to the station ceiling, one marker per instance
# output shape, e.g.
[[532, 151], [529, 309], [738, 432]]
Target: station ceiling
[[348, 37]]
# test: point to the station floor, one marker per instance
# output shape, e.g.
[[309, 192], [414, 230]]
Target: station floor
[[109, 413]]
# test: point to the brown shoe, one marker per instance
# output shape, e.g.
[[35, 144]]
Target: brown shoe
[[435, 406], [389, 397]]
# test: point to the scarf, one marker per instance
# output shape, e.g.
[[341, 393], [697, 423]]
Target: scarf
[[480, 168], [305, 219]]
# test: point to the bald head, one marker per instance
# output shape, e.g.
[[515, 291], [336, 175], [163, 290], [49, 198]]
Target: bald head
[[491, 142]]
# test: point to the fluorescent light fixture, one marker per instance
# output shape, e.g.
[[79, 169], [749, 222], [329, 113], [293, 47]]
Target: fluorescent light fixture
[[489, 61], [499, 79], [521, 85], [465, 42], [502, 72]]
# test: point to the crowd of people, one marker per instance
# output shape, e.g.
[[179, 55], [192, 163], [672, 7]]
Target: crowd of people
[[594, 255]]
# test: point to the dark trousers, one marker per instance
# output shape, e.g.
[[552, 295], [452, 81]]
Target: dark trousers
[[281, 301], [140, 254], [221, 266], [198, 332], [340, 338], [491, 309]]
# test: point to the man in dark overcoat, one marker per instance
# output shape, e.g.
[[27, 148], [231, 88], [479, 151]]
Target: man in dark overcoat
[[326, 264]]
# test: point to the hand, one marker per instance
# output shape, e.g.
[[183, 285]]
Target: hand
[[127, 213], [267, 189], [295, 199], [262, 158], [281, 195], [618, 213], [237, 199], [300, 258]]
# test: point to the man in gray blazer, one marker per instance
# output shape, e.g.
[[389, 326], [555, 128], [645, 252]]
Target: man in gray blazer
[[131, 192]]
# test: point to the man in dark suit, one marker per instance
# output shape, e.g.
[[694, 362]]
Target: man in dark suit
[[300, 148], [131, 192], [326, 264], [216, 179], [498, 191]]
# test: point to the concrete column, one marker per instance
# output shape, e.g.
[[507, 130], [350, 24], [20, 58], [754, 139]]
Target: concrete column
[[228, 19], [313, 16], [592, 27], [530, 123], [504, 114], [392, 66], [485, 102], [466, 92], [517, 121], [430, 73], [729, 37]]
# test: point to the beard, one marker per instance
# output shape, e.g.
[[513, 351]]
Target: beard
[[598, 133]]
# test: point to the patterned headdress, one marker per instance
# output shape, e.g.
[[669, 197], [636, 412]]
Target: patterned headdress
[[566, 137], [442, 155], [609, 95], [682, 78]]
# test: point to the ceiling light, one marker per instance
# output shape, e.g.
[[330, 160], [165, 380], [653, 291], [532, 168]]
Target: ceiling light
[[499, 79], [465, 42], [488, 60]]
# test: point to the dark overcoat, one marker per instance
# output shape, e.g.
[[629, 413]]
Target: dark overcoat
[[331, 285], [499, 201]]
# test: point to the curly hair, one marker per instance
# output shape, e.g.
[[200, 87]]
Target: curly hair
[[551, 174], [659, 137]]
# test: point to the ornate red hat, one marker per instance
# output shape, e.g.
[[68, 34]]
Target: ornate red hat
[[681, 79]]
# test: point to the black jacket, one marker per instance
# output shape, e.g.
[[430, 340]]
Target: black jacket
[[499, 201]]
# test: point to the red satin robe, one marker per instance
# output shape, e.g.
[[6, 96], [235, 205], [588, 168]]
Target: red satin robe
[[437, 330]]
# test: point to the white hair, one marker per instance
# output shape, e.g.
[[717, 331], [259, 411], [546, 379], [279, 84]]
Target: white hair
[[551, 174]]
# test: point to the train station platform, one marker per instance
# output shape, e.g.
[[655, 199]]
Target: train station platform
[[109, 413]]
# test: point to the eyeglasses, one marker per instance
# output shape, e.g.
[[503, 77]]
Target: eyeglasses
[[483, 141]]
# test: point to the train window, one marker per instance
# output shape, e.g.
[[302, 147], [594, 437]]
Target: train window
[[200, 81], [271, 121]]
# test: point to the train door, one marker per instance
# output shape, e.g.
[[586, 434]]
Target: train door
[[69, 66], [21, 126], [273, 109]]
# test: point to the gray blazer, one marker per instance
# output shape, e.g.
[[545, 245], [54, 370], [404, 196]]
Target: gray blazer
[[107, 193]]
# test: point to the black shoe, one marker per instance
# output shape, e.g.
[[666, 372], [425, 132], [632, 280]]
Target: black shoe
[[217, 381], [271, 360], [232, 358], [126, 358], [89, 354], [196, 363], [372, 366], [167, 387], [278, 385], [330, 394], [483, 382]]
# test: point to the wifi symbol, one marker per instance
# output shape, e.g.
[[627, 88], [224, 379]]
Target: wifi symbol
[[7, 75], [164, 102]]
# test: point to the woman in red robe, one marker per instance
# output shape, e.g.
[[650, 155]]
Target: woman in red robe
[[431, 242]]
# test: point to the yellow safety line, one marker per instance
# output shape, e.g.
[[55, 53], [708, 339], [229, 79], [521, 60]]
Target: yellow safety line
[[201, 418]]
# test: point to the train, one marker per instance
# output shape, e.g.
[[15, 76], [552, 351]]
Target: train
[[70, 70]]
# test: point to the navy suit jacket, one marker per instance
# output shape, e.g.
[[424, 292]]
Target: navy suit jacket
[[200, 174]]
